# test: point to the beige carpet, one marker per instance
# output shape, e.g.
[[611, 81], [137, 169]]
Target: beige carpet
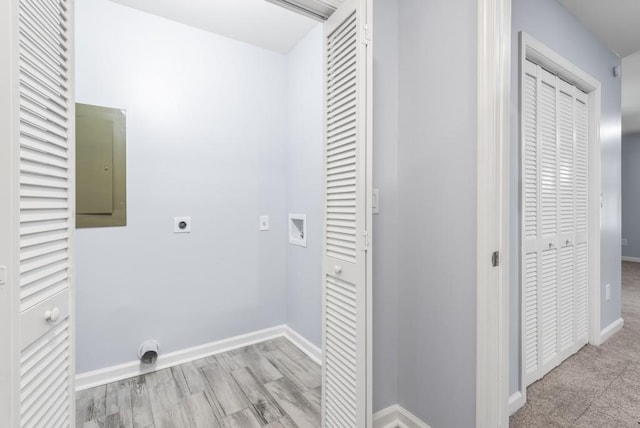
[[597, 387]]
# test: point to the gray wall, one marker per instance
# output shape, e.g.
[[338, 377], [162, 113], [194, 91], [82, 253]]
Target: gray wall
[[631, 194], [437, 210], [385, 224], [206, 137], [304, 183], [553, 25]]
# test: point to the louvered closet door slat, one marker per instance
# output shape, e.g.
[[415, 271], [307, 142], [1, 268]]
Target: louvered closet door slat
[[46, 197], [530, 152], [341, 166], [566, 296], [44, 175], [582, 293], [566, 182], [548, 311], [581, 165], [531, 330], [548, 159], [344, 391], [548, 189], [581, 218], [565, 158], [531, 215]]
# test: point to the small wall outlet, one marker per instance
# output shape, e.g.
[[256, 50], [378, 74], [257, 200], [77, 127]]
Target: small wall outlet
[[264, 222], [624, 242], [607, 292], [182, 225]]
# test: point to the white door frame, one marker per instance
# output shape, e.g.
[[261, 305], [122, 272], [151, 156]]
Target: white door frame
[[494, 80], [494, 106], [532, 49], [9, 108]]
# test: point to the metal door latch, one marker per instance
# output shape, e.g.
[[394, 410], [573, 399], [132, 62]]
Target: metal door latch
[[495, 258]]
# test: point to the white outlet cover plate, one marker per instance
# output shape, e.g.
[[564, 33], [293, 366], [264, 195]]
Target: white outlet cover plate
[[264, 222], [177, 223], [607, 292]]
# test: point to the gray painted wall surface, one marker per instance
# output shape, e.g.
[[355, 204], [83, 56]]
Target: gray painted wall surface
[[631, 194], [385, 224], [556, 27], [437, 210], [304, 183], [205, 137]]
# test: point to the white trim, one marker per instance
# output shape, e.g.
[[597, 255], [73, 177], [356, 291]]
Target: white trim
[[314, 352], [516, 401], [547, 58], [387, 418], [540, 54], [9, 128], [127, 370], [397, 416], [494, 76], [611, 329], [631, 259], [71, 179]]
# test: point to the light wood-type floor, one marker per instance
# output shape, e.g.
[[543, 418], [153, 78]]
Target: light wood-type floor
[[272, 384]]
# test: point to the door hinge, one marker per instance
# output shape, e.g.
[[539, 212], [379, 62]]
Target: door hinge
[[367, 243], [495, 258], [366, 35]]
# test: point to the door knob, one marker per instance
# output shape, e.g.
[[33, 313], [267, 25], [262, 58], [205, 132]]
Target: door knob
[[568, 241], [337, 269], [550, 245], [52, 315]]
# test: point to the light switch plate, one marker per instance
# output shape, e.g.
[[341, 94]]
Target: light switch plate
[[607, 292], [264, 222], [624, 242], [182, 225]]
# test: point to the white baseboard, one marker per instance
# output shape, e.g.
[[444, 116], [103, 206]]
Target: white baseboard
[[516, 401], [312, 351], [124, 371], [397, 417], [611, 329], [631, 259]]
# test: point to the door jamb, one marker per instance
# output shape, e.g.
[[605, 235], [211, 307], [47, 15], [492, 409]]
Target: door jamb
[[494, 80]]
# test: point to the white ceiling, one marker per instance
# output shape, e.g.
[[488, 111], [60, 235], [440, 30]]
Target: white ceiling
[[616, 22], [253, 21]]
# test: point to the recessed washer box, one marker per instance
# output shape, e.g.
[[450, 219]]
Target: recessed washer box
[[298, 229]]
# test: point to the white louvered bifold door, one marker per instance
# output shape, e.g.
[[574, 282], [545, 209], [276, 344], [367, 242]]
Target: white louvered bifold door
[[44, 203], [347, 157], [554, 220]]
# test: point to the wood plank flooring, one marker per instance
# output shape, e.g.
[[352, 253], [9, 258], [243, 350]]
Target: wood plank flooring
[[271, 384]]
